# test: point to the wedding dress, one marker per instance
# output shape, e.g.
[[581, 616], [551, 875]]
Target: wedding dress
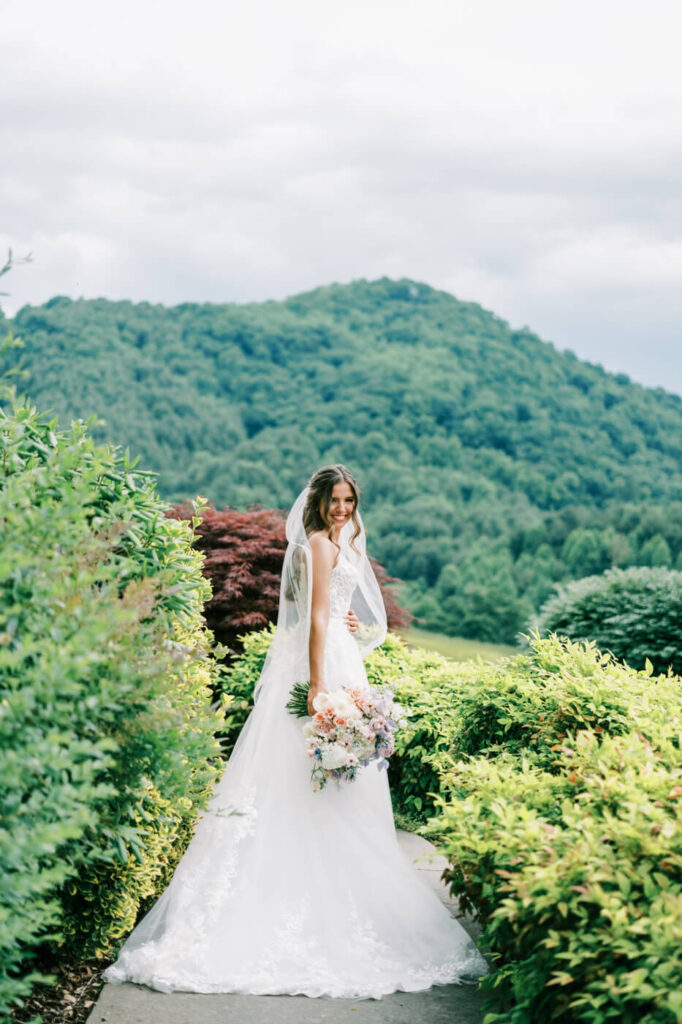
[[284, 890]]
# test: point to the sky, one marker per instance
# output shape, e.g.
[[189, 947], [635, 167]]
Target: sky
[[526, 156]]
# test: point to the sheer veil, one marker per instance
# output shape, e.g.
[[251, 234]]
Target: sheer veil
[[287, 658]]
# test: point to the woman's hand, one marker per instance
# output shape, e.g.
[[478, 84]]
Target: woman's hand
[[313, 691], [352, 621]]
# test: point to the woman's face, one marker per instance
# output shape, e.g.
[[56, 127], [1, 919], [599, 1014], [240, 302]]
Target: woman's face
[[341, 505]]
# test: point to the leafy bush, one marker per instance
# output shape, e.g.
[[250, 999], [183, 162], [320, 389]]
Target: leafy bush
[[243, 555], [635, 613], [236, 683], [105, 727], [423, 681], [563, 827]]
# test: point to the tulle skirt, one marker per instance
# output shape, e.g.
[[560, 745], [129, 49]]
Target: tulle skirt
[[288, 891]]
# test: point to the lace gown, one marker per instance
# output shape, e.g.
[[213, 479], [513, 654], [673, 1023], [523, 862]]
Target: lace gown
[[284, 890]]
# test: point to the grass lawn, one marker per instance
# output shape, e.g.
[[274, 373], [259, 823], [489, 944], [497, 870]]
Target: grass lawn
[[456, 647]]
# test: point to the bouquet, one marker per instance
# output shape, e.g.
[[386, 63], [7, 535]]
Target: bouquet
[[350, 728]]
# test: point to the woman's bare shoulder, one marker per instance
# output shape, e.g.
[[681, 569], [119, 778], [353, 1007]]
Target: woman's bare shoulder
[[322, 546], [318, 535]]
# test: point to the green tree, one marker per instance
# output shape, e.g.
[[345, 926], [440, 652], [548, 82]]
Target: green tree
[[585, 552], [636, 613], [655, 551]]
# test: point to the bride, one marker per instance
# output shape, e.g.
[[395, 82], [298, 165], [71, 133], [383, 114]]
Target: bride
[[284, 890]]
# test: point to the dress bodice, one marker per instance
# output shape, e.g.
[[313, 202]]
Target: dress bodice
[[343, 582]]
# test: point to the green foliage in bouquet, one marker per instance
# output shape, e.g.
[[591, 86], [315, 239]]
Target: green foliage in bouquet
[[106, 729], [636, 613], [298, 701]]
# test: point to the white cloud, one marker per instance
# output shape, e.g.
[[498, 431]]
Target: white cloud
[[523, 155]]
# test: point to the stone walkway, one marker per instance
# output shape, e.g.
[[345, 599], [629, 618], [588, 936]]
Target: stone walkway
[[441, 1004]]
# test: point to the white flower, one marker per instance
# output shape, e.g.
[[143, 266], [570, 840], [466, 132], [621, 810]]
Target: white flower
[[335, 756], [339, 702], [322, 701], [345, 706]]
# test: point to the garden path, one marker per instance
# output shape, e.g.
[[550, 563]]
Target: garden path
[[441, 1004]]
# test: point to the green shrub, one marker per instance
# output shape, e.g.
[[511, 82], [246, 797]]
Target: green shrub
[[567, 841], [579, 874], [424, 682], [635, 613], [530, 702], [106, 731], [236, 683]]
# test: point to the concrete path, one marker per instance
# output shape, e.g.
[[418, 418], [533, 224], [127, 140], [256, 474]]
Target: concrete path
[[441, 1004]]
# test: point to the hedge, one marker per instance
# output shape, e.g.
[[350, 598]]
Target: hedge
[[106, 727], [580, 871], [559, 811]]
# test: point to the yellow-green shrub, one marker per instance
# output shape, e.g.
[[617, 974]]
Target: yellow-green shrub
[[106, 730], [236, 682], [580, 871], [424, 682], [568, 839]]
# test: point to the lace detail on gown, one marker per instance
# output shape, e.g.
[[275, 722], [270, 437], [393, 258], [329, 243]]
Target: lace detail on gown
[[343, 583], [286, 891]]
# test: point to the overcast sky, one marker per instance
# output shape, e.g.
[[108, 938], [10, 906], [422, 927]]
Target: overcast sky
[[524, 155]]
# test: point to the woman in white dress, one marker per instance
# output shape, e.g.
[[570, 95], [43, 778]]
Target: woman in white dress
[[284, 890]]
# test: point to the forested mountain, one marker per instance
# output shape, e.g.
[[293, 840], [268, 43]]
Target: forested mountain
[[491, 464]]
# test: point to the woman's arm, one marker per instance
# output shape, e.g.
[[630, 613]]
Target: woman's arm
[[324, 556]]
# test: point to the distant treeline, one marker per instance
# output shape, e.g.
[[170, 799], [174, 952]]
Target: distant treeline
[[492, 465]]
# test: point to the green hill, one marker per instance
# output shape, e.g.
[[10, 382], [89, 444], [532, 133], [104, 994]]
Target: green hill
[[491, 464]]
